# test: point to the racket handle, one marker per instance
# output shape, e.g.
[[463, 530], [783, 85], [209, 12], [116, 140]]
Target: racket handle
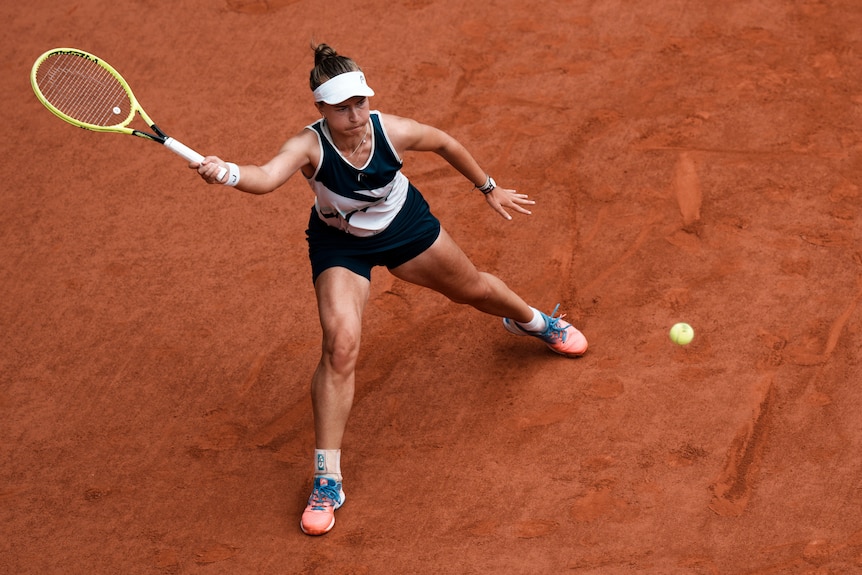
[[184, 151]]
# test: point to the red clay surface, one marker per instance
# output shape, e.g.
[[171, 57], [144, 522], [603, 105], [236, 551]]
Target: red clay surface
[[693, 161]]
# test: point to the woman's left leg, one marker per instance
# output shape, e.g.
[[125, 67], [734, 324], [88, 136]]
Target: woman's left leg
[[446, 269]]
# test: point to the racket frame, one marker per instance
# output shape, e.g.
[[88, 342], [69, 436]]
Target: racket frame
[[121, 127]]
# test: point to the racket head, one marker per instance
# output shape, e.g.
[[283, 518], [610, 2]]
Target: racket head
[[84, 90]]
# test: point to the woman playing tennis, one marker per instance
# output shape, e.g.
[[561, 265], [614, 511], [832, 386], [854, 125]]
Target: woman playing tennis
[[366, 213]]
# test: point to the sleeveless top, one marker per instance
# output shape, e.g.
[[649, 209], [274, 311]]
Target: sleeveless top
[[359, 201]]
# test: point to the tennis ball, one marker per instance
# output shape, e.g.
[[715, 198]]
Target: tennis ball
[[116, 109], [681, 334]]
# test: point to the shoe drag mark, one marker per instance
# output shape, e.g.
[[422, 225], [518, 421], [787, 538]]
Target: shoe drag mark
[[253, 373], [225, 429], [829, 556], [283, 428], [601, 503], [733, 488], [546, 416], [802, 358], [525, 529], [608, 388], [257, 6], [215, 553], [534, 528], [686, 188], [840, 322]]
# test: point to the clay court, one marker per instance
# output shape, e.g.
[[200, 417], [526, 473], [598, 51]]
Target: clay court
[[691, 161]]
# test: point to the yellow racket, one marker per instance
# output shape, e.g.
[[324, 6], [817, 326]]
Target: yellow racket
[[89, 93]]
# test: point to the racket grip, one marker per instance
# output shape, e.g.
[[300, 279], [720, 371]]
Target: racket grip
[[184, 151]]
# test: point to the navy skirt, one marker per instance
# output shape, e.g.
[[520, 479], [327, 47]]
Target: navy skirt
[[412, 232]]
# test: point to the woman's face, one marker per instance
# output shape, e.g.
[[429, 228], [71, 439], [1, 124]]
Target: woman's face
[[347, 118]]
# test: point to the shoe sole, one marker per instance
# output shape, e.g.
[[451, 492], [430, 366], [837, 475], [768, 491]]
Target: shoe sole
[[324, 532], [512, 327]]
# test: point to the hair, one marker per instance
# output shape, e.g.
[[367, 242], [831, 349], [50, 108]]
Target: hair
[[328, 64]]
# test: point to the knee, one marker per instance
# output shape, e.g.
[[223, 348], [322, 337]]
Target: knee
[[474, 294], [341, 351]]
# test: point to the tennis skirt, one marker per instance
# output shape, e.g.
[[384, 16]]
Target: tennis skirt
[[412, 232]]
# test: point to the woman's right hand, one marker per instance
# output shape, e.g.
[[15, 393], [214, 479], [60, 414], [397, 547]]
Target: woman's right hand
[[210, 168]]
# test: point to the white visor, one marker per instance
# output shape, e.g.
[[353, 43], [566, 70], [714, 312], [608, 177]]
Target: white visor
[[343, 87]]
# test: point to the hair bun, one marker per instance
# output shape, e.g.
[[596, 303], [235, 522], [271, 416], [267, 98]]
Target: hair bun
[[323, 52]]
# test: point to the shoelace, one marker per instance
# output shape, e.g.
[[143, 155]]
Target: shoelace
[[554, 331], [323, 496]]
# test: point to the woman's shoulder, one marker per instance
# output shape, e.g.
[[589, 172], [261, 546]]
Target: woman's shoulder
[[307, 136], [303, 144], [396, 125], [386, 117]]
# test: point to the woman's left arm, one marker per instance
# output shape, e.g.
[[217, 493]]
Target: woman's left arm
[[407, 134]]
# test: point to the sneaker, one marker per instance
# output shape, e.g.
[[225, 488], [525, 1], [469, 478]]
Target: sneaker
[[319, 517], [560, 336]]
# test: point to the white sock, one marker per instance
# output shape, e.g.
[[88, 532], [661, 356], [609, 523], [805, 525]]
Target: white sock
[[537, 324], [328, 462]]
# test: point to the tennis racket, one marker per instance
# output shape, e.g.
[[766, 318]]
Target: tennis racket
[[89, 93]]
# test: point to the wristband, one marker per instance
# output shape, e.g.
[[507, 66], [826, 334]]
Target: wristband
[[232, 175], [488, 186]]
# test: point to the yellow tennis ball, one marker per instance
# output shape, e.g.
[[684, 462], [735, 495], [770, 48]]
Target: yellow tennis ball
[[681, 334]]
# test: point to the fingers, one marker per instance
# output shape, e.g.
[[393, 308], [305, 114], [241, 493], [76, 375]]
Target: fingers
[[501, 198], [498, 207], [519, 201], [503, 212], [211, 169]]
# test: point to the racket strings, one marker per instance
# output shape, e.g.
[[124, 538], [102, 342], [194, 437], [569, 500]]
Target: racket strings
[[83, 90]]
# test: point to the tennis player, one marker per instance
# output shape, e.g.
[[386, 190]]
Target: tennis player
[[366, 213]]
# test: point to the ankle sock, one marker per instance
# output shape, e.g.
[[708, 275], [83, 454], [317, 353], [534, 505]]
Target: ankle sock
[[537, 324]]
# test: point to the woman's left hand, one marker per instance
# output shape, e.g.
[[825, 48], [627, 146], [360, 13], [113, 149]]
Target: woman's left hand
[[502, 198]]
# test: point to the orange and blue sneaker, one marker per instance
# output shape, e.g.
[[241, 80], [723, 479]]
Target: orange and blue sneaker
[[319, 516], [560, 336]]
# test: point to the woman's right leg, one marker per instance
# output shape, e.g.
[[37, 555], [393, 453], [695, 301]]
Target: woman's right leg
[[341, 299]]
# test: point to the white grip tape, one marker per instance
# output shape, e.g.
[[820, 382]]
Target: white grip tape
[[232, 174], [184, 151]]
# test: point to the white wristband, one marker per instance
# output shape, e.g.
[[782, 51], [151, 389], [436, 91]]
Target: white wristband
[[232, 174]]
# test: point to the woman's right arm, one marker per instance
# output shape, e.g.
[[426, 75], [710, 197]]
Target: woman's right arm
[[299, 151]]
